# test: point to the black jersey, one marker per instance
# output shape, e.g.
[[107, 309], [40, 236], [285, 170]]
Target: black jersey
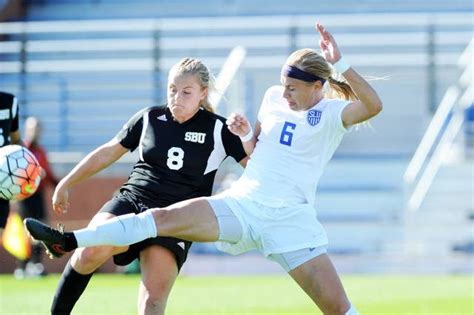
[[176, 161], [8, 117], [8, 123]]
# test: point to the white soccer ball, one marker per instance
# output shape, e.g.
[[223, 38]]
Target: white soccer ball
[[20, 172]]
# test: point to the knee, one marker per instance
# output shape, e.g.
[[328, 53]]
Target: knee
[[87, 260]]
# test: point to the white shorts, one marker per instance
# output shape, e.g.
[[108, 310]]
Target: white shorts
[[294, 259], [271, 230]]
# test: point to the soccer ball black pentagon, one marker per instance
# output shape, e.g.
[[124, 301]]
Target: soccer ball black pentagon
[[20, 172]]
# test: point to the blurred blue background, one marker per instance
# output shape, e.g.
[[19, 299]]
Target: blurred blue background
[[398, 192]]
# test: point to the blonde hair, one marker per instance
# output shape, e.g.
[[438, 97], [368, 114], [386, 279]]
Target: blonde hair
[[195, 67], [309, 60]]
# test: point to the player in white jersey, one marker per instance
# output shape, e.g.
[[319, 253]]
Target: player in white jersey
[[271, 207], [304, 141]]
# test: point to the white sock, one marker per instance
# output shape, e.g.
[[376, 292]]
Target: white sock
[[119, 231], [352, 311]]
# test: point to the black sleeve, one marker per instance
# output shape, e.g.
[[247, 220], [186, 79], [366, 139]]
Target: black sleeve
[[15, 115], [129, 135], [232, 145]]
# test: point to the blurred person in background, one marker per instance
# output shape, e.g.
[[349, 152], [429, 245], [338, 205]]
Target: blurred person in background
[[180, 146], [11, 10], [271, 207], [9, 134], [35, 206]]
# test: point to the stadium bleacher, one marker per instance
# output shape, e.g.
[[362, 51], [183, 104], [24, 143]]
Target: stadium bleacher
[[99, 9], [124, 63]]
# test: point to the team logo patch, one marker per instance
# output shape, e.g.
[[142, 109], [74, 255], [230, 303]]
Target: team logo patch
[[197, 137], [314, 116]]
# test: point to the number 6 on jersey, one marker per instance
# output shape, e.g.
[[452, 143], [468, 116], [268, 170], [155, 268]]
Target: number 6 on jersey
[[287, 134]]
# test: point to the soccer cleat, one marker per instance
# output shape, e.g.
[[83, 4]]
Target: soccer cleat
[[52, 239]]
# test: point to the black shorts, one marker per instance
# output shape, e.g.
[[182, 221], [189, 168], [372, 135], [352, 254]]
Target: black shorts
[[126, 202], [4, 211]]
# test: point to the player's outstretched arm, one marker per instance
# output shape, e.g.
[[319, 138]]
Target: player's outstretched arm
[[369, 103], [93, 163]]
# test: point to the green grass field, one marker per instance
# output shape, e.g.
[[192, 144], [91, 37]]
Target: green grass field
[[372, 294]]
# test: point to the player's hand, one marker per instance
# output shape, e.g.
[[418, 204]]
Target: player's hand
[[60, 200], [328, 45], [238, 124]]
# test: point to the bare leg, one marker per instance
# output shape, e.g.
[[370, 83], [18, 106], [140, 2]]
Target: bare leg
[[192, 220], [159, 272], [319, 279]]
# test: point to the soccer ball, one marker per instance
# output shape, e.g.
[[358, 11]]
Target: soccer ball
[[20, 172]]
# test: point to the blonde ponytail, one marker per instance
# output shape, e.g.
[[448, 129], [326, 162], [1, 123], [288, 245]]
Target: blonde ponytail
[[340, 89]]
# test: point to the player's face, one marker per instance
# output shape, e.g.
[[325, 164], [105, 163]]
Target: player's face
[[301, 95], [184, 96]]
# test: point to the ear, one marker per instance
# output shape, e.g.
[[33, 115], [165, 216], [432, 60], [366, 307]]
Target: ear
[[204, 93], [318, 85]]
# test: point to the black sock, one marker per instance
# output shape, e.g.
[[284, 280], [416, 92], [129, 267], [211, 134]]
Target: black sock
[[36, 253], [69, 290], [70, 241], [22, 264]]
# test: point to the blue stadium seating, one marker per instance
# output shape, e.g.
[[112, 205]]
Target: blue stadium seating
[[100, 9]]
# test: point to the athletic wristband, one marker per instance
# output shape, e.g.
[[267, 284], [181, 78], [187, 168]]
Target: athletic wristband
[[247, 137], [341, 65]]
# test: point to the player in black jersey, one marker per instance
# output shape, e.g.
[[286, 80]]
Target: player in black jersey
[[180, 146], [9, 134]]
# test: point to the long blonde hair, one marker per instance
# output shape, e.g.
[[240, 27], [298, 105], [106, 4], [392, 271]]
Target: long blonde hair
[[195, 66], [309, 60]]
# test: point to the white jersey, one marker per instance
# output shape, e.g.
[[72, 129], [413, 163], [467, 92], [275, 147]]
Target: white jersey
[[292, 150]]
